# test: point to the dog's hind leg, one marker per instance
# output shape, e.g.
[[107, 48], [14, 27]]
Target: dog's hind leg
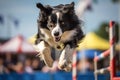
[[45, 53], [65, 60]]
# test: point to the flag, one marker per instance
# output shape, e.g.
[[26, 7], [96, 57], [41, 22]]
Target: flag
[[1, 19], [14, 20]]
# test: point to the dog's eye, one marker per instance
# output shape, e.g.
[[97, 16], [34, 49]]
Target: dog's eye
[[51, 25]]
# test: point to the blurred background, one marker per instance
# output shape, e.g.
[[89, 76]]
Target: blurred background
[[18, 26]]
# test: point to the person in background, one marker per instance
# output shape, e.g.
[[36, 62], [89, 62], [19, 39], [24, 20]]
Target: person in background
[[19, 68], [2, 68], [9, 64], [84, 66], [37, 64], [28, 65]]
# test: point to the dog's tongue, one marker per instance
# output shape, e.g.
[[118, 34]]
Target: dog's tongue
[[57, 39]]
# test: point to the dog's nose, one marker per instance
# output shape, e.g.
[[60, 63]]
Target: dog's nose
[[56, 34]]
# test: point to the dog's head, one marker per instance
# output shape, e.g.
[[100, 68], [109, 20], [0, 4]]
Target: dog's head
[[62, 19], [59, 19]]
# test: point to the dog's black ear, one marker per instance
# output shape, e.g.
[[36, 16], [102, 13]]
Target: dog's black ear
[[46, 9], [72, 5], [69, 8], [40, 6]]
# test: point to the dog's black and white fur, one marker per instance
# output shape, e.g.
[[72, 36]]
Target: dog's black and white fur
[[58, 25]]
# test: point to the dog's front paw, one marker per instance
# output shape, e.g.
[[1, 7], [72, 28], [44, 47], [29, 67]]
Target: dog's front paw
[[62, 65], [65, 65], [68, 68]]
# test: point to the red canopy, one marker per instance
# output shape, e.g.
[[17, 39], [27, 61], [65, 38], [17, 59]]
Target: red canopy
[[17, 45]]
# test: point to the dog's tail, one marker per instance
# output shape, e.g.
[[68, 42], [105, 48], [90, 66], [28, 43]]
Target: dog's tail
[[82, 6]]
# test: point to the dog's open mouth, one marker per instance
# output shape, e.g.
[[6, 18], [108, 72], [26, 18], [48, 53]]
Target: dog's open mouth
[[57, 39]]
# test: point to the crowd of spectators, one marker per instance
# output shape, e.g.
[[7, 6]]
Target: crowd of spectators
[[21, 63]]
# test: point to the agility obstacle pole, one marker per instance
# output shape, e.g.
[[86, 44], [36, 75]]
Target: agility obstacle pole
[[74, 69], [102, 55], [110, 51]]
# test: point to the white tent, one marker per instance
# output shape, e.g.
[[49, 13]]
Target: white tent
[[17, 45]]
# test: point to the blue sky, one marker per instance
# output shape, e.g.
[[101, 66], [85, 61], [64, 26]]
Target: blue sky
[[26, 12]]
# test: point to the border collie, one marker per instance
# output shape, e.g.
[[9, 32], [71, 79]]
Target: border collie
[[59, 28]]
